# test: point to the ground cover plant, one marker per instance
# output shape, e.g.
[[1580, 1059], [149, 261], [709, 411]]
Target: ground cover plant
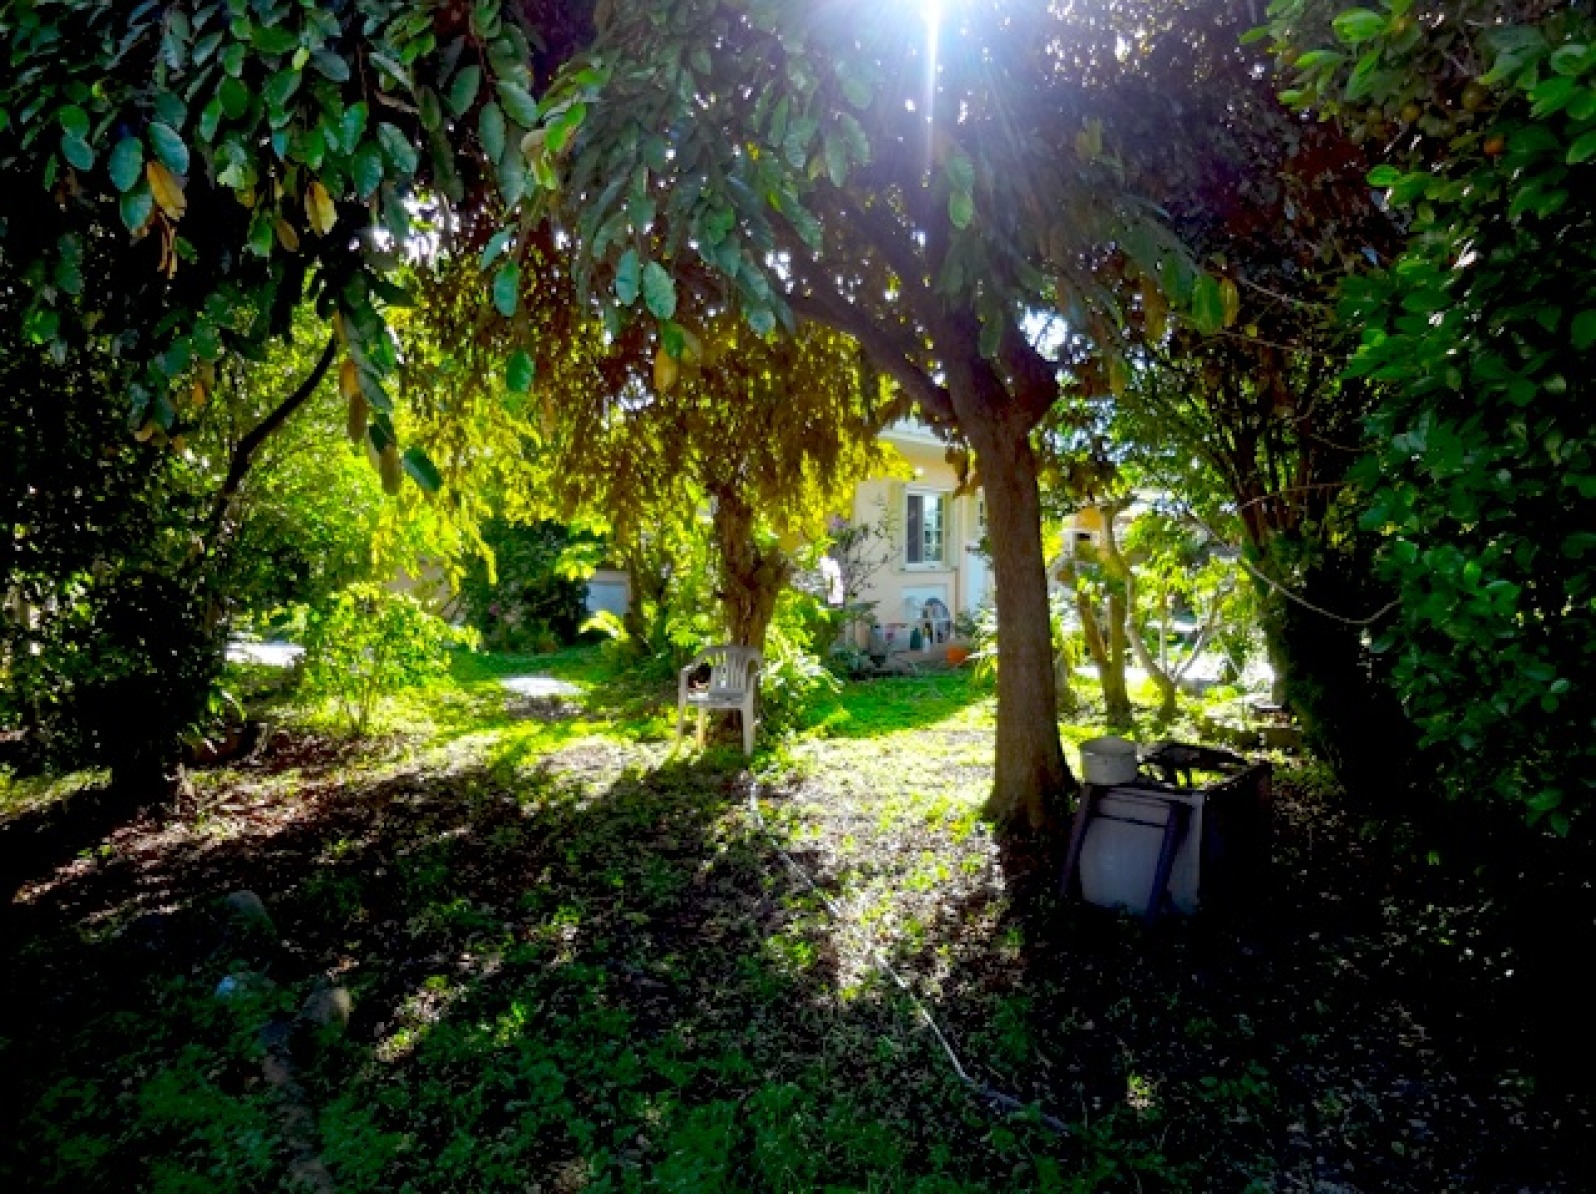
[[577, 960]]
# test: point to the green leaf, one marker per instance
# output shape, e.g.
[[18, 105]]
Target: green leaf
[[280, 88], [1583, 149], [366, 169], [495, 245], [262, 232], [273, 39], [961, 173], [353, 124], [490, 129], [422, 471], [136, 206], [562, 127], [961, 209], [659, 291], [518, 371], [463, 91], [1583, 332], [836, 153], [673, 339], [234, 96], [396, 147], [169, 147], [429, 110], [1365, 75], [371, 386], [330, 66], [507, 288], [628, 277], [1207, 305], [1358, 25], [127, 164], [210, 120], [1384, 176], [519, 104], [76, 151], [74, 120]]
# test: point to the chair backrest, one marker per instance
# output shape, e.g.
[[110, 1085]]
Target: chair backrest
[[731, 669]]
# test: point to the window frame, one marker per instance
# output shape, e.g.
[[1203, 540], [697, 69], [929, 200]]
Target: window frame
[[944, 500]]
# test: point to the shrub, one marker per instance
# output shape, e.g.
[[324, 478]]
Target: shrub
[[794, 678], [116, 675], [368, 641]]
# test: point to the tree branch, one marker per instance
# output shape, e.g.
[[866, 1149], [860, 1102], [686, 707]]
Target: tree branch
[[891, 352], [244, 453]]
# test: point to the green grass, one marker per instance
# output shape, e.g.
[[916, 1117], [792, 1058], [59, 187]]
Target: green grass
[[577, 961]]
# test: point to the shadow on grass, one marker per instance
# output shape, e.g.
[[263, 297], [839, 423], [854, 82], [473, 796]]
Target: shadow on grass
[[1360, 1016], [575, 985]]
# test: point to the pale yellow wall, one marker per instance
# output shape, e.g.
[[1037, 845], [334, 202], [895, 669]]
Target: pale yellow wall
[[898, 580]]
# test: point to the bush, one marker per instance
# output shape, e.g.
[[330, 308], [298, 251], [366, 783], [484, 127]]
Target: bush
[[539, 599], [115, 676], [368, 641], [794, 678]]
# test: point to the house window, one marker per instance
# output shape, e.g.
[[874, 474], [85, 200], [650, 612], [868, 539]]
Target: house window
[[926, 522]]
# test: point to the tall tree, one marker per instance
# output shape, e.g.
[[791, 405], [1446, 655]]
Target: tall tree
[[1254, 425], [923, 184]]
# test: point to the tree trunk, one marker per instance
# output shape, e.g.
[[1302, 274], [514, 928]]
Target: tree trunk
[[1031, 785], [647, 586], [1108, 655], [751, 576], [1164, 682]]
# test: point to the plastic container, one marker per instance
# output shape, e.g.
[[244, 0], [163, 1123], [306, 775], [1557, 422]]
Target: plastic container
[[1120, 856], [1108, 760]]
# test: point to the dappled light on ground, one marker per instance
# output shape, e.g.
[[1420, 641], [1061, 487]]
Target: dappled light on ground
[[538, 686], [582, 963]]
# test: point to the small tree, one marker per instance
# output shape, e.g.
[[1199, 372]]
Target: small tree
[[369, 641]]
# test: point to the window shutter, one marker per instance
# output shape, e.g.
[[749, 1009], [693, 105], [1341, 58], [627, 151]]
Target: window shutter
[[897, 509]]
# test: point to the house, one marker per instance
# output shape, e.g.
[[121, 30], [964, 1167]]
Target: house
[[930, 565], [926, 565]]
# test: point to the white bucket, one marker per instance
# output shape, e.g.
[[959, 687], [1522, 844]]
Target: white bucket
[[1108, 761]]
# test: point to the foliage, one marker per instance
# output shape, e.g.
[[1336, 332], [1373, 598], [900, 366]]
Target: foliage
[[100, 519], [300, 523], [924, 208], [1068, 649], [115, 675], [794, 678], [186, 176], [536, 594], [1483, 469], [1250, 430], [368, 641]]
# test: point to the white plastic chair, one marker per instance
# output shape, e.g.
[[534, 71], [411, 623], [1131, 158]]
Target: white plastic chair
[[733, 684]]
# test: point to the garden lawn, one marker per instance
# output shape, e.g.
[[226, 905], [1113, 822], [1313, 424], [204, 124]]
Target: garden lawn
[[577, 960]]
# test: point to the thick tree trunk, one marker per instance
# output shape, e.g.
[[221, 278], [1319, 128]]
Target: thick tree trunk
[[751, 576], [1031, 785]]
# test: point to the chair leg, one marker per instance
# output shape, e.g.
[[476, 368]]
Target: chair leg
[[746, 717], [681, 720], [702, 713]]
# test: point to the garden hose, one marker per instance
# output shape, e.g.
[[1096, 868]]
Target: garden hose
[[991, 1096]]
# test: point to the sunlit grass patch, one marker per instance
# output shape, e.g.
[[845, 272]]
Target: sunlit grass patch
[[18, 794]]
